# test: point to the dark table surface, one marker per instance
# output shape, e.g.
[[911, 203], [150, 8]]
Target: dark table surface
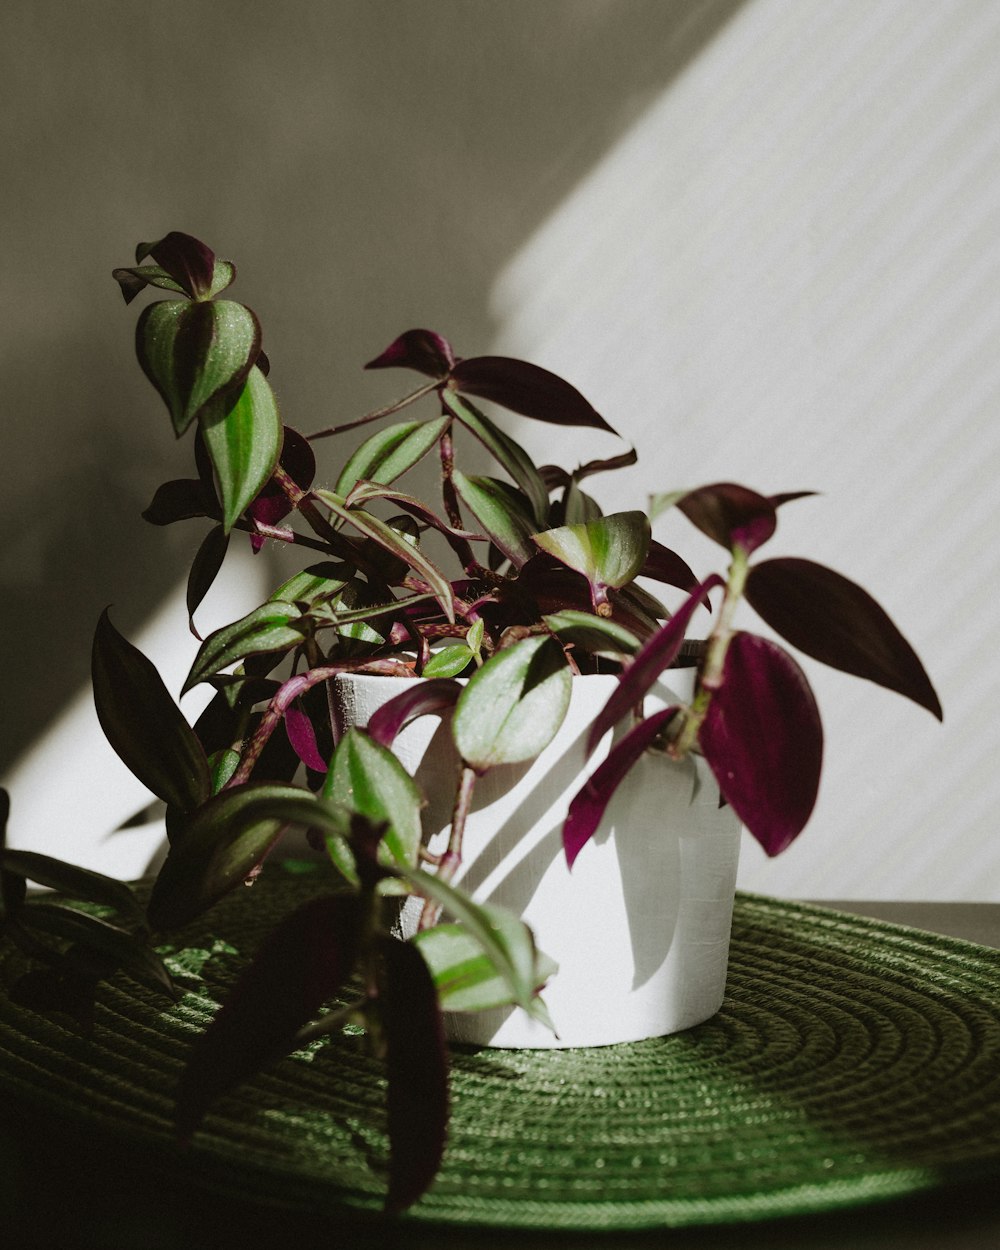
[[61, 1189]]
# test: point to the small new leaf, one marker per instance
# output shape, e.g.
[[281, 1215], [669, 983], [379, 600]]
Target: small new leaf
[[609, 551]]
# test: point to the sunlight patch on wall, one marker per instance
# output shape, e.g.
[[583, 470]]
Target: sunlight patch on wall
[[786, 274]]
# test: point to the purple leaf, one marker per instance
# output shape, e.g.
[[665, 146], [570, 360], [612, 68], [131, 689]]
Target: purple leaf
[[417, 1071], [623, 461], [664, 565], [527, 389], [423, 698], [143, 723], [835, 621], [732, 515], [763, 739], [789, 495], [204, 570], [422, 350], [301, 964], [186, 259], [302, 737], [180, 500], [656, 655], [589, 804]]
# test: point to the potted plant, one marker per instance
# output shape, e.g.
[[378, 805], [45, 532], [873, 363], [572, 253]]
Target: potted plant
[[374, 646]]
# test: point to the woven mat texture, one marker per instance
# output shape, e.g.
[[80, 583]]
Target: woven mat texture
[[852, 1061]]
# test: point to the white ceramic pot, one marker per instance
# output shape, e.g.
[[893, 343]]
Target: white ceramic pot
[[639, 927]]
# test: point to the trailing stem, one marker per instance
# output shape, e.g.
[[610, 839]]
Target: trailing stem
[[293, 689]]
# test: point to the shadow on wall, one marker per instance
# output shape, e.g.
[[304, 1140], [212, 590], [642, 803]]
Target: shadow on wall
[[371, 167]]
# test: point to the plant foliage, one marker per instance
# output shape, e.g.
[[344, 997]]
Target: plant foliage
[[543, 588]]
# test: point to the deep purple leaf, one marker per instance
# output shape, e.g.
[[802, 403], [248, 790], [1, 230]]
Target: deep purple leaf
[[732, 515], [300, 965], [554, 477], [526, 388], [422, 350], [656, 656], [789, 496], [188, 261], [143, 723], [590, 802], [664, 565], [763, 739], [181, 500], [204, 570], [302, 736], [835, 621], [423, 698], [623, 461], [417, 1071]]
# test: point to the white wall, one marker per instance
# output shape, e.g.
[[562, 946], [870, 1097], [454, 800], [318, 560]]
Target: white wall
[[786, 274]]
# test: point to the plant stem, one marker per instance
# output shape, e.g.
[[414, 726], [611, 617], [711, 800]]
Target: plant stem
[[335, 542], [281, 534], [451, 860], [290, 691], [376, 413], [710, 678]]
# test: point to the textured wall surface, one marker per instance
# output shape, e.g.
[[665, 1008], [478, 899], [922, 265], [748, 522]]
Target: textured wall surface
[[787, 274], [370, 166], [762, 236]]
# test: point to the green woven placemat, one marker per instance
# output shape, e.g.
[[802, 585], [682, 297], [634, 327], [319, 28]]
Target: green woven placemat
[[852, 1061]]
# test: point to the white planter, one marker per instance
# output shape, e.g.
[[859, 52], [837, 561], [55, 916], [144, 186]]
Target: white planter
[[639, 927]]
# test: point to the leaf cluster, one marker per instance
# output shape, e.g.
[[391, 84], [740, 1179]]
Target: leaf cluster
[[537, 587]]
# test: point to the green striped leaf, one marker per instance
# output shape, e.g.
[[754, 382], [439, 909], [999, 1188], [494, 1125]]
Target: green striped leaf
[[388, 454], [244, 444], [266, 629], [513, 706], [509, 454], [197, 354]]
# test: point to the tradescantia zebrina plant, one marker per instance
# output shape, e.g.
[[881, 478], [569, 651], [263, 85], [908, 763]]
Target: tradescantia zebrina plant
[[513, 581]]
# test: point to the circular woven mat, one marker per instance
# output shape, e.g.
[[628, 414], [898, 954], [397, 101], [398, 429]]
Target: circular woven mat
[[852, 1061]]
